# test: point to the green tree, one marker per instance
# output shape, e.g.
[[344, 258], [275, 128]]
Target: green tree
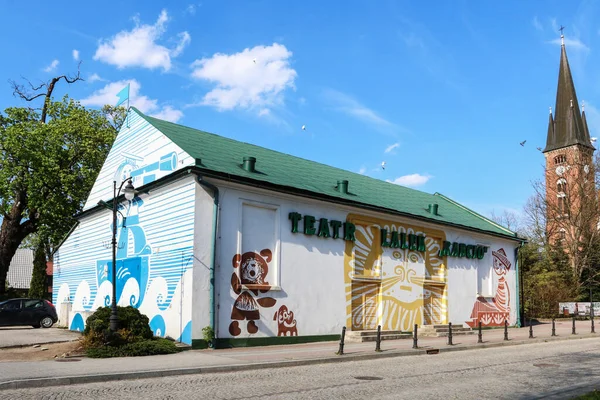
[[38, 288], [49, 160]]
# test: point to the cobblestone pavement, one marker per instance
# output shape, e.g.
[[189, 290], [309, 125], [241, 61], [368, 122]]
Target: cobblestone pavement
[[25, 336], [547, 370]]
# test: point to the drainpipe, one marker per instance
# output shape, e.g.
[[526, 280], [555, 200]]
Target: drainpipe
[[215, 227], [520, 306]]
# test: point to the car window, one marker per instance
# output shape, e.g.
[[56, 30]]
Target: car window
[[33, 304], [12, 305]]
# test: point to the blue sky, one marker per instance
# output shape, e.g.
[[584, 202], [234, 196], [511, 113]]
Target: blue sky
[[442, 91]]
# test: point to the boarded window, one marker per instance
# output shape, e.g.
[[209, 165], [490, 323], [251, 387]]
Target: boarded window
[[259, 245]]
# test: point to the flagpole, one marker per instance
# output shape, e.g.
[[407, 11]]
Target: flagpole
[[127, 116]]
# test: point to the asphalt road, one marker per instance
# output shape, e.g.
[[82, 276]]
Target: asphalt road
[[25, 336], [558, 370]]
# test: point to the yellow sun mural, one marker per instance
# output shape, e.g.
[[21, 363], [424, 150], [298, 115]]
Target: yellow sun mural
[[393, 287]]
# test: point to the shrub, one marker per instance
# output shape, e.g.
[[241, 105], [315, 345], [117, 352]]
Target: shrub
[[133, 327], [140, 348]]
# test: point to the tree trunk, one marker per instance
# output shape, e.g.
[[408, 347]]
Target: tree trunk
[[12, 233]]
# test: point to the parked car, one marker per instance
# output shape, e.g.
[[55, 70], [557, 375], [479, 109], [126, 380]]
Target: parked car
[[34, 312]]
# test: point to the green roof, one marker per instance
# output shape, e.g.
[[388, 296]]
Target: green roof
[[222, 157]]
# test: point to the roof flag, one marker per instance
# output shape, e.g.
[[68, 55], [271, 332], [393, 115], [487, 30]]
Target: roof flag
[[123, 95]]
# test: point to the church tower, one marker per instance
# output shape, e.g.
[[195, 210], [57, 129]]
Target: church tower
[[570, 193]]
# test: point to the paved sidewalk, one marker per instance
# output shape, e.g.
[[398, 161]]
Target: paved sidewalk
[[19, 336], [15, 375]]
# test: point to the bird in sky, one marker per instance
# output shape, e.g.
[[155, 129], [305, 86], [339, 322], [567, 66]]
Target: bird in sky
[[383, 165], [523, 143], [254, 60], [303, 127], [539, 149]]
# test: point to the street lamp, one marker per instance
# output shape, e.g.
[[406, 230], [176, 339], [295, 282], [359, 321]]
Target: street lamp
[[129, 192]]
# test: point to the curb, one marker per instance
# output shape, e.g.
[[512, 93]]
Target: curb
[[82, 379]]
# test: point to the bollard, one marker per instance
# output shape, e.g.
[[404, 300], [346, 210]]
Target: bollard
[[341, 350], [592, 317], [553, 328], [450, 334], [530, 329], [505, 329], [378, 342], [479, 335], [415, 345], [573, 332]]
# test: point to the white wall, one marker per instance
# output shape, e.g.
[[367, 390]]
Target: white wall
[[310, 275]]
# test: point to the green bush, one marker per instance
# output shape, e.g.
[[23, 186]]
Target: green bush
[[141, 348], [133, 327]]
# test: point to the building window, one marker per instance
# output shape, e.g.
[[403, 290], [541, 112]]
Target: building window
[[561, 186], [562, 204], [560, 159], [257, 260], [562, 235]]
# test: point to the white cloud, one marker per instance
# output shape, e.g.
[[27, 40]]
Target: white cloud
[[168, 113], [95, 78], [411, 180], [252, 78], [572, 43], [537, 24], [348, 105], [191, 9], [52, 66], [138, 47], [391, 148], [75, 54], [554, 24], [362, 170], [108, 95], [263, 112], [185, 39]]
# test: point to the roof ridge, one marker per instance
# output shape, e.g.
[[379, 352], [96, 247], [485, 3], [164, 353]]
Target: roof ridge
[[475, 213], [149, 118], [219, 155]]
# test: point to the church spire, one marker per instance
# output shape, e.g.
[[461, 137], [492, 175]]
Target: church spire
[[569, 128]]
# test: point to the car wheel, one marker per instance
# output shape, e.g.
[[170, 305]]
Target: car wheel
[[46, 322]]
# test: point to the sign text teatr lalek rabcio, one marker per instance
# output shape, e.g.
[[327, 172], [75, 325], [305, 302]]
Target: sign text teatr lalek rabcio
[[394, 239]]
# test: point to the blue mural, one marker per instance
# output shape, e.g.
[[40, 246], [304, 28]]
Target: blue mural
[[155, 238], [132, 258]]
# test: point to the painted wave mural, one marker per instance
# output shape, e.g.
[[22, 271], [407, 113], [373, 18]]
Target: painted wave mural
[[155, 234]]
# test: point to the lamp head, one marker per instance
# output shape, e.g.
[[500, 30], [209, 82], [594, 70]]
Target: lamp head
[[129, 191]]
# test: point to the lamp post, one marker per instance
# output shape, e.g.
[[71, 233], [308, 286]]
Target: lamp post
[[129, 192]]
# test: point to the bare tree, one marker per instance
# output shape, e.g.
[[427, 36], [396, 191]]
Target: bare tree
[[44, 89]]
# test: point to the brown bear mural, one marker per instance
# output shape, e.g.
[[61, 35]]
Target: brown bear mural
[[253, 270], [285, 322]]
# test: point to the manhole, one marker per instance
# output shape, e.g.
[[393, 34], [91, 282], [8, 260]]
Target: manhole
[[67, 359], [368, 378], [546, 365], [433, 351]]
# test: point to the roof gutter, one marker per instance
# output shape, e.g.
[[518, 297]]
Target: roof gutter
[[213, 251]]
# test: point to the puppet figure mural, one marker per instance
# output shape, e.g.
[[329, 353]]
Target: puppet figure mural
[[247, 281], [493, 312]]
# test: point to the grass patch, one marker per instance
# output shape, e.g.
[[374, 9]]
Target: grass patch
[[595, 395], [147, 347]]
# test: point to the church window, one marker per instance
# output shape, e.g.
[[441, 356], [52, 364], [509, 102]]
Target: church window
[[561, 186], [560, 159], [562, 234], [562, 204]]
